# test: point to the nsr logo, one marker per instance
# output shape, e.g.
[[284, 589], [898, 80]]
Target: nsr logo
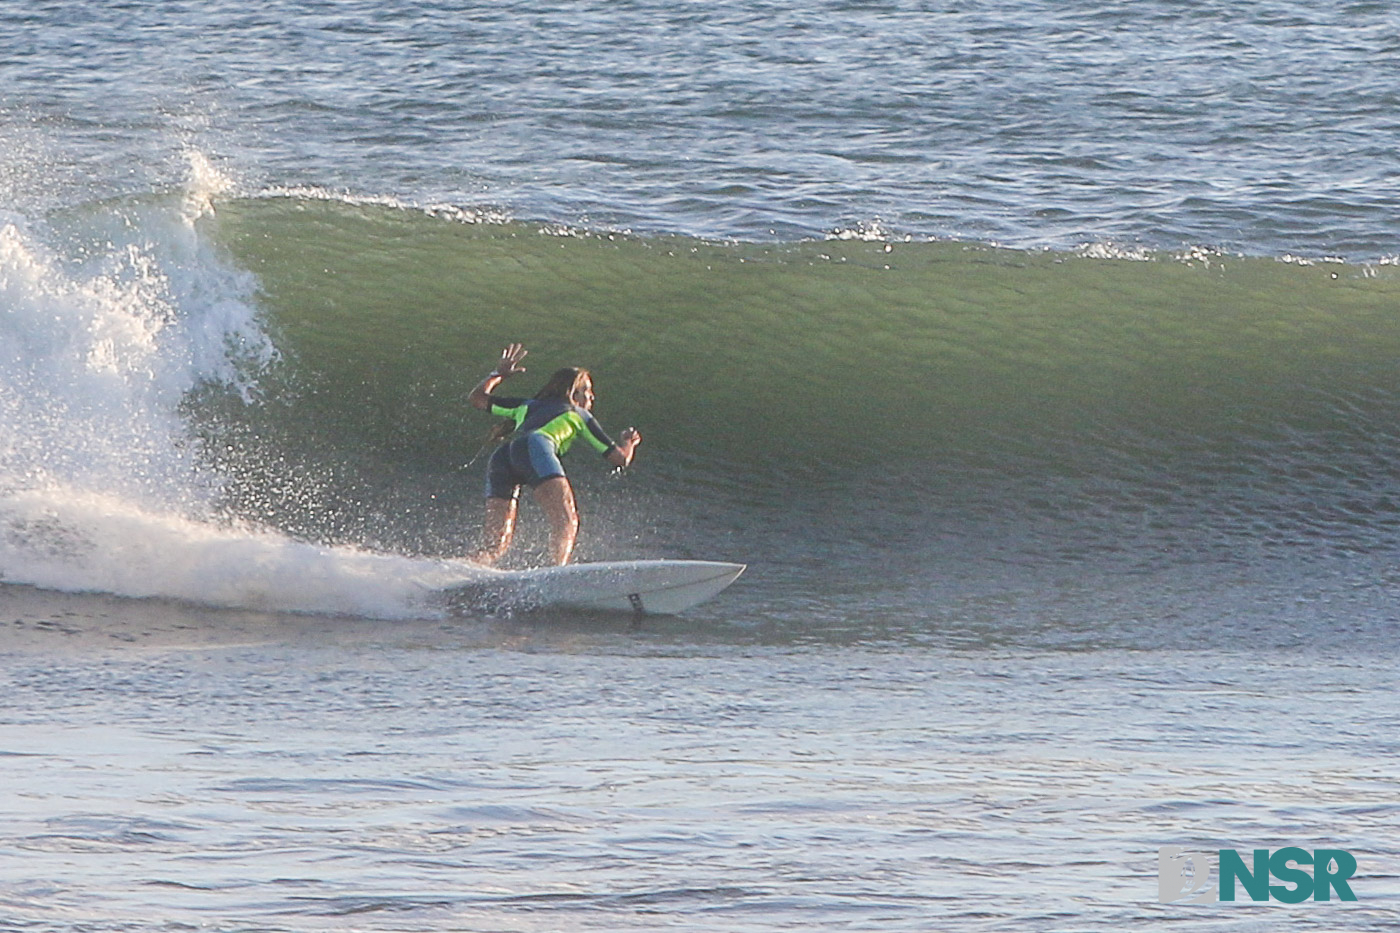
[[1185, 876]]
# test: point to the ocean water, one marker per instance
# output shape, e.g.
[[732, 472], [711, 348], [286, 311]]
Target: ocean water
[[1038, 359]]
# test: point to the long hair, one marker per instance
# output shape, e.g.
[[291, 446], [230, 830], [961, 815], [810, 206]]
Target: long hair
[[562, 385]]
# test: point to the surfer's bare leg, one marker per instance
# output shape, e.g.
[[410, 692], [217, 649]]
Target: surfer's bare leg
[[496, 536], [556, 497]]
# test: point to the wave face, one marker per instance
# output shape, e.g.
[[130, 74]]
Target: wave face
[[859, 395], [839, 413]]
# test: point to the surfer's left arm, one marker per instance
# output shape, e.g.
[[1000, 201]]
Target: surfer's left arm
[[509, 365], [620, 454]]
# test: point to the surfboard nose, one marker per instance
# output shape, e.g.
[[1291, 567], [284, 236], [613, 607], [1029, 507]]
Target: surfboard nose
[[697, 570]]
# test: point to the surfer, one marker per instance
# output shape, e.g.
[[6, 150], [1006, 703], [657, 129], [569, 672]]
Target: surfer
[[544, 428]]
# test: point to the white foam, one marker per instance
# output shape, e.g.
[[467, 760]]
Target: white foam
[[443, 211], [869, 231], [1113, 251], [99, 346]]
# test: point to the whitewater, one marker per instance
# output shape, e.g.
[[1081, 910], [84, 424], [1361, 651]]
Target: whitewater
[[1038, 359]]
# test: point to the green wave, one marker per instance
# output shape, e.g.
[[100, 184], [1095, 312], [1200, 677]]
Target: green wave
[[818, 349], [841, 364]]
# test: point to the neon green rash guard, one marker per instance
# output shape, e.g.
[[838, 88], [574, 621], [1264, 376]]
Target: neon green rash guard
[[560, 422]]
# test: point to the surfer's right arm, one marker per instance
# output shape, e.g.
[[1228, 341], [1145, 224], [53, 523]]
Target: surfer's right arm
[[508, 366]]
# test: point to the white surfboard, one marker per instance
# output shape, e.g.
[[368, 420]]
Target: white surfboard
[[663, 587]]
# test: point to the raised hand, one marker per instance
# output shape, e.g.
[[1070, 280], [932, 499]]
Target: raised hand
[[510, 360]]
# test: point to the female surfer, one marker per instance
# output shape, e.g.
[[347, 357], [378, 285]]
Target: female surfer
[[545, 427]]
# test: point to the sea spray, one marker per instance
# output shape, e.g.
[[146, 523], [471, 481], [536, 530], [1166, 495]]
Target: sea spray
[[72, 539], [115, 315]]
